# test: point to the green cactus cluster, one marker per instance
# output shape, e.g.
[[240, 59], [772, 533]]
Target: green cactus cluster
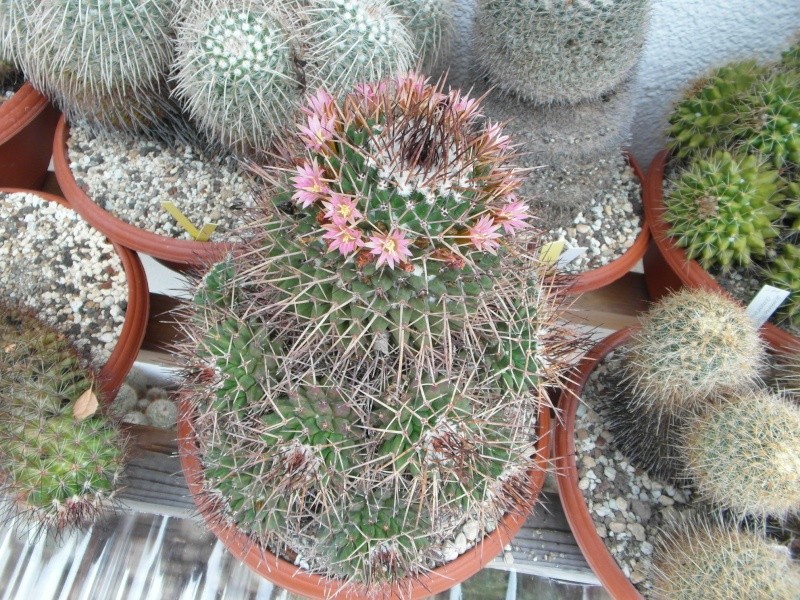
[[790, 58], [559, 51], [784, 273], [58, 471], [699, 559], [724, 209], [368, 371]]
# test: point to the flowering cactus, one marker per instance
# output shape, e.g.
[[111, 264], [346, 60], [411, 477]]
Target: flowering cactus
[[384, 330]]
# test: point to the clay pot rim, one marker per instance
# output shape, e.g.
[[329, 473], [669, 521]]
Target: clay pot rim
[[20, 110], [112, 374], [616, 269], [292, 578], [177, 252], [688, 271], [580, 520]]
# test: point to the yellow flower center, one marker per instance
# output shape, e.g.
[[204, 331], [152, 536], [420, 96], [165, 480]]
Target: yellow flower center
[[344, 210], [389, 246], [347, 238], [316, 188]]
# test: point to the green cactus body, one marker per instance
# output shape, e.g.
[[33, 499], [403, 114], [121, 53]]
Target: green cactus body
[[700, 560], [744, 454], [235, 72], [559, 51], [693, 344], [790, 59], [784, 273], [347, 42], [57, 470], [430, 23], [769, 120], [723, 209], [706, 117]]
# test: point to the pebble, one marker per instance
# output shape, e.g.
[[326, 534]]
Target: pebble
[[78, 279], [131, 178], [471, 530]]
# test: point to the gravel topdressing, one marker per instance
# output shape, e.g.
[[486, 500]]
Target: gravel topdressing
[[130, 178], [59, 266]]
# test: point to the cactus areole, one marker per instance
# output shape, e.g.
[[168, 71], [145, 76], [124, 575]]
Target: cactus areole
[[367, 399]]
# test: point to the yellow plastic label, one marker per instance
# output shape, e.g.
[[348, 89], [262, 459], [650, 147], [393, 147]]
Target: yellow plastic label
[[551, 251], [200, 235]]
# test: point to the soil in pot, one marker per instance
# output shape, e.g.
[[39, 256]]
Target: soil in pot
[[59, 266], [130, 178], [10, 82]]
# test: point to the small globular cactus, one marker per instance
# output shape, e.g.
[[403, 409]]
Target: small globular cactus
[[743, 454], [705, 118], [59, 471], [784, 272], [691, 345], [724, 209], [703, 560], [559, 51], [236, 72], [790, 58], [430, 23], [351, 41]]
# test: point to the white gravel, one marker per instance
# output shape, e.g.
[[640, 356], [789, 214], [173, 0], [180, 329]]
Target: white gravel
[[56, 264], [130, 178]]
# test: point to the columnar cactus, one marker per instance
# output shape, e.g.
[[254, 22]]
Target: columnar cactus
[[237, 71], [102, 60], [693, 344], [743, 454], [724, 209], [559, 51], [386, 386], [702, 560], [58, 471]]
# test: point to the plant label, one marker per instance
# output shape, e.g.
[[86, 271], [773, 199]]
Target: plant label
[[570, 254], [766, 302]]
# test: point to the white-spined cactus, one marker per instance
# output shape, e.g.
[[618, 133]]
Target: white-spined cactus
[[431, 25]]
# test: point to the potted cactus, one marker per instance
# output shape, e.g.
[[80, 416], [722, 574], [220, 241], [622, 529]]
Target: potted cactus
[[674, 418], [570, 109], [723, 211], [368, 396], [61, 459]]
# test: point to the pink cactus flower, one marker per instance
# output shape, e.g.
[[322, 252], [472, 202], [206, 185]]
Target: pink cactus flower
[[390, 248], [321, 104], [318, 133], [494, 140], [512, 215], [483, 234], [342, 237], [309, 184], [342, 210], [464, 106], [368, 96]]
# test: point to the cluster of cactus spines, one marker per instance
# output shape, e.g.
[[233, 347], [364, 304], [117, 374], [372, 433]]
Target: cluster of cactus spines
[[12, 28], [236, 71], [559, 51], [705, 118], [105, 61], [790, 58], [351, 41], [431, 25], [691, 345], [393, 314], [58, 472], [744, 454], [784, 272], [724, 209], [699, 559], [768, 119]]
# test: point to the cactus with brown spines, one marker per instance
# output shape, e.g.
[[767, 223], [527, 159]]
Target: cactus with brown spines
[[395, 327]]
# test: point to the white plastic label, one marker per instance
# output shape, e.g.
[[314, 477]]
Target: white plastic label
[[766, 302], [570, 254]]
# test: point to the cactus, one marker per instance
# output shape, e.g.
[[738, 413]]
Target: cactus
[[784, 272], [790, 58], [352, 41], [744, 454], [12, 28], [105, 61], [692, 345], [236, 72], [723, 209], [58, 472], [559, 51], [768, 120], [368, 372], [701, 560], [430, 23], [706, 116]]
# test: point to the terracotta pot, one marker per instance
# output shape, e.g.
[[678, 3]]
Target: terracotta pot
[[177, 254], [27, 123], [666, 266], [607, 274], [113, 373], [290, 577], [572, 499]]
